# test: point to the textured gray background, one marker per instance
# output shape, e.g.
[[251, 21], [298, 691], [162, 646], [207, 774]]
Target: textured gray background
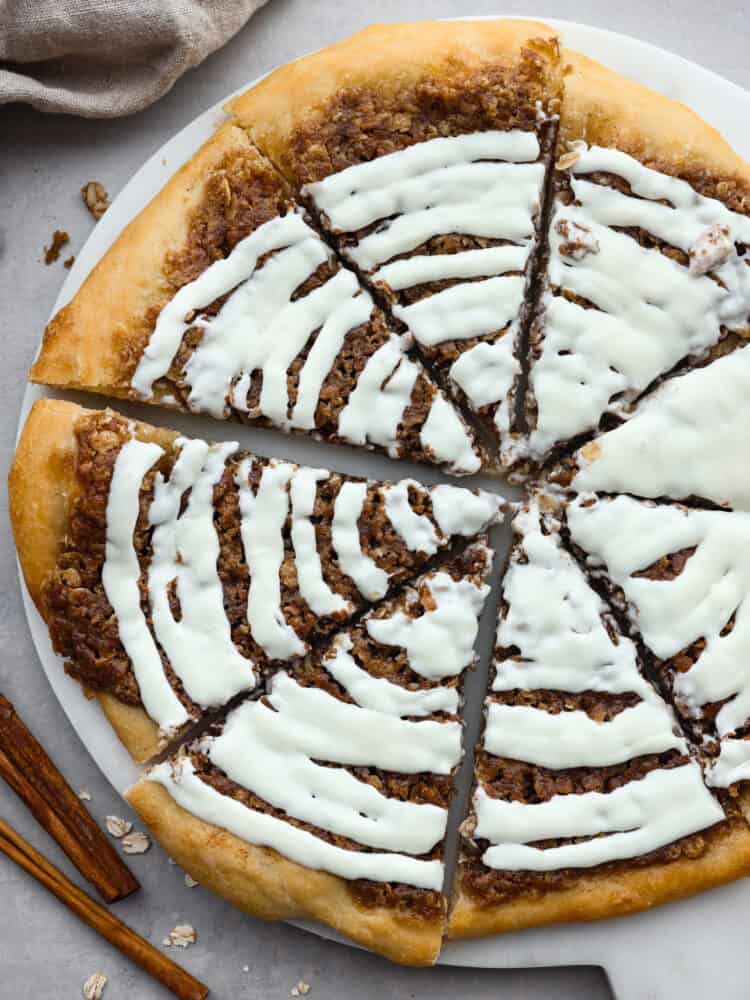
[[44, 952]]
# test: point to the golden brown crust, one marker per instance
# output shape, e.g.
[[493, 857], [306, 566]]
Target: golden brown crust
[[41, 490], [261, 882], [385, 59], [136, 730], [606, 109], [86, 345], [610, 894]]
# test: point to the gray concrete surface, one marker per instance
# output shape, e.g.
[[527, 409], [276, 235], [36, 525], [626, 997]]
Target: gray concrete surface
[[44, 952]]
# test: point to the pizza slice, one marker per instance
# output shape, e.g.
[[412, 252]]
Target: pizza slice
[[423, 151], [588, 800], [681, 576], [172, 573], [647, 269], [327, 797], [221, 297]]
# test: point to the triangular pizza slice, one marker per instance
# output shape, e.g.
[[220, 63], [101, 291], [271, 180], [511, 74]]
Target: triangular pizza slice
[[172, 573], [220, 297], [682, 577], [423, 151], [588, 799], [647, 269], [327, 797]]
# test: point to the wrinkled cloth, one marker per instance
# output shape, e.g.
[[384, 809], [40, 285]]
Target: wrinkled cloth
[[106, 58]]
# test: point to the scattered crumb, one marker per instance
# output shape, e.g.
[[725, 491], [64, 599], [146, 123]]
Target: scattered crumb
[[93, 988], [167, 942], [568, 160], [245, 968], [300, 990], [172, 861], [190, 881], [68, 262], [711, 249], [84, 795], [95, 198], [182, 936], [136, 843], [467, 828], [52, 252], [577, 240], [118, 827], [591, 451]]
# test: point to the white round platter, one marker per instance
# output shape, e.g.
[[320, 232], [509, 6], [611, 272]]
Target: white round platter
[[649, 955]]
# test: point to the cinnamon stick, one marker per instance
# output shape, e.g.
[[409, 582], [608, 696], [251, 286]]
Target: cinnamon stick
[[157, 965], [31, 774]]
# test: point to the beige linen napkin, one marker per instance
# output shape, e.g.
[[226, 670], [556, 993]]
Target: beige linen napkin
[[105, 58]]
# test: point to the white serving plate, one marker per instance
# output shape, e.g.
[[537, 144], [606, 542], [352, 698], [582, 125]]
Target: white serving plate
[[690, 948]]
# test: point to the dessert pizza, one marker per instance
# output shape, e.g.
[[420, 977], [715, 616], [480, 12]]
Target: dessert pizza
[[457, 244]]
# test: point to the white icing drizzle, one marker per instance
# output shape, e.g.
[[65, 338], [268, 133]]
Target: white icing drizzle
[[464, 311], [376, 405], [457, 511], [554, 618], [440, 642], [312, 586], [322, 355], [687, 439], [381, 695], [633, 819], [185, 550], [417, 530], [487, 263], [651, 311], [486, 374], [627, 536], [680, 223], [324, 728], [573, 739], [255, 827], [120, 574], [273, 753], [731, 765], [369, 578], [217, 280], [261, 328], [463, 512], [444, 186], [263, 517], [444, 435]]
